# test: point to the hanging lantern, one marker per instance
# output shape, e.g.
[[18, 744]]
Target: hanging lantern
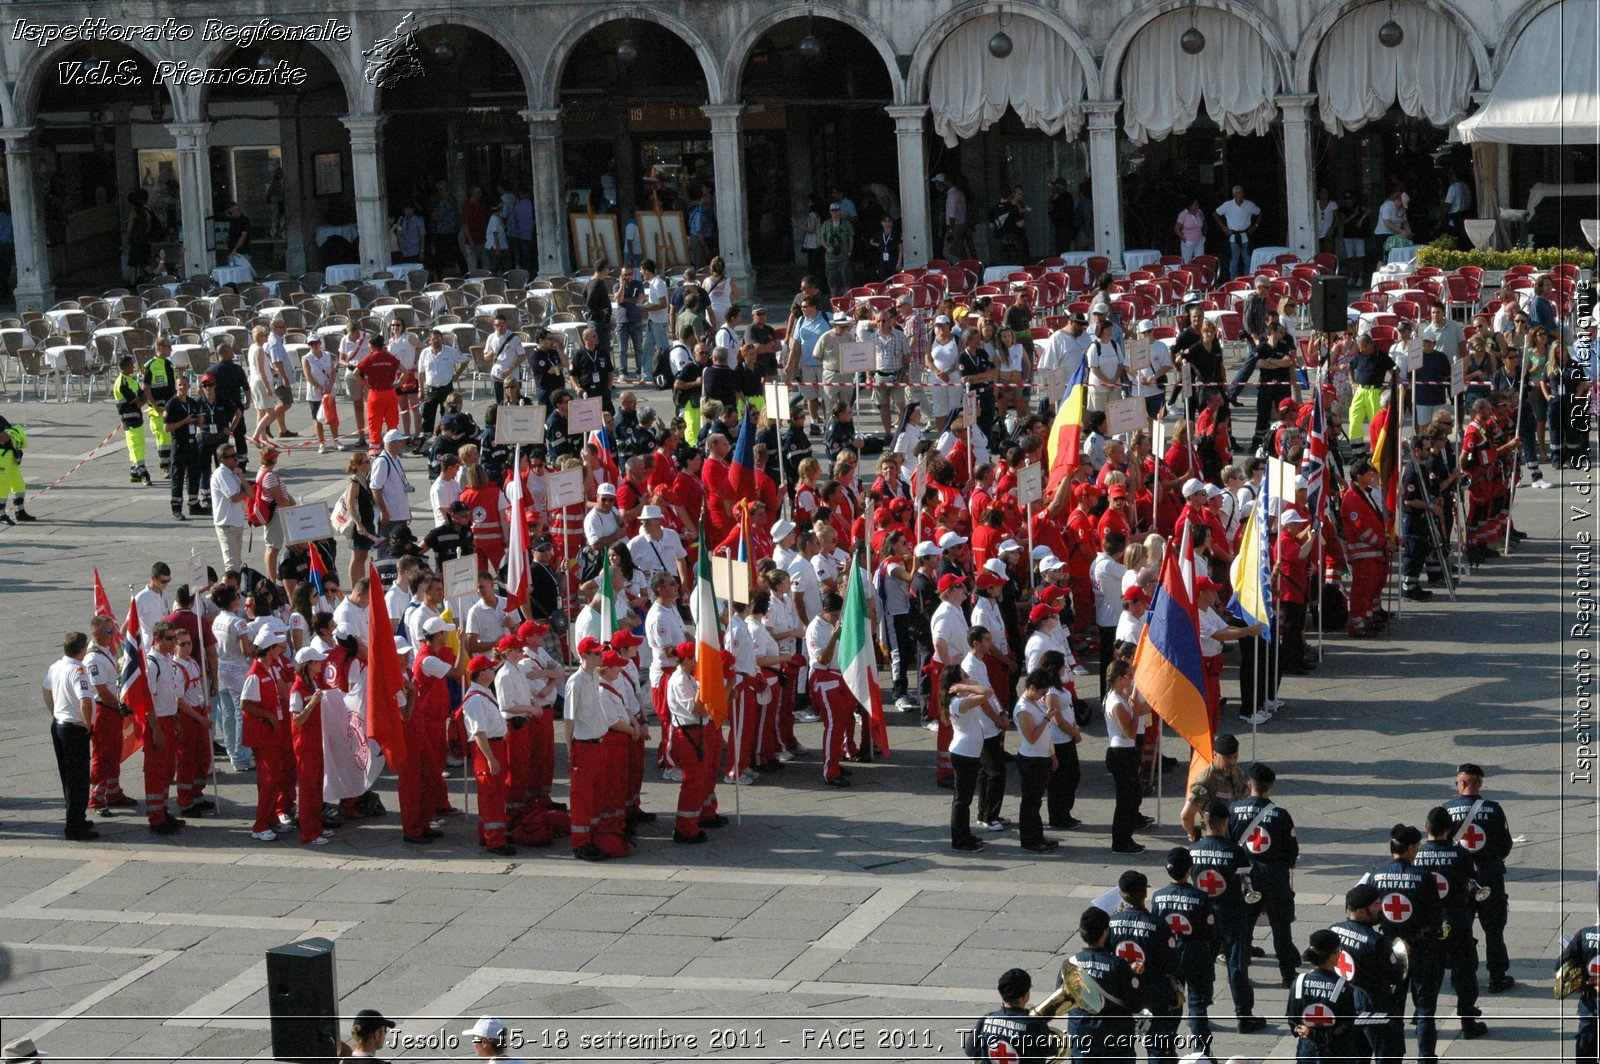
[[627, 51], [444, 52], [1390, 34], [266, 60], [1000, 44], [1193, 41], [811, 46]]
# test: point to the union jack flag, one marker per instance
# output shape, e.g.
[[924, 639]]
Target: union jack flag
[[1314, 462]]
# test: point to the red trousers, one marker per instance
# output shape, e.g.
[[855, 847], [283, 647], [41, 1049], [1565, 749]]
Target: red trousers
[[492, 790], [635, 788], [308, 775], [383, 413], [767, 742], [105, 757], [415, 812], [1367, 577], [275, 774], [713, 740], [193, 760], [783, 717], [519, 769], [743, 721], [1083, 621], [616, 748], [837, 708], [586, 794], [1212, 667], [158, 767], [435, 792], [543, 728], [942, 769], [687, 748], [658, 699]]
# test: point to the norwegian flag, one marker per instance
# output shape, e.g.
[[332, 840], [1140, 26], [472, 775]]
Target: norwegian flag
[[1314, 463], [133, 685]]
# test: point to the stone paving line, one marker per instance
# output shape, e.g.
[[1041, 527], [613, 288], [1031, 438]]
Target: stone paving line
[[847, 902]]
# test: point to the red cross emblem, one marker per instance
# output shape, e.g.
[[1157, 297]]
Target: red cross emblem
[[1002, 1052], [1473, 838], [1318, 1015], [1259, 841], [1396, 908], [1131, 952], [1345, 965], [1442, 883], [1212, 882], [1179, 924], [1594, 972]]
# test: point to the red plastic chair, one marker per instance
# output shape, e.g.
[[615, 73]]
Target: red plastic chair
[[1080, 306], [1288, 259], [1077, 277], [1474, 272], [1164, 332], [1364, 306], [1207, 264], [1406, 308], [1566, 270], [1172, 260], [1140, 275], [1386, 320], [988, 290], [1052, 322], [1383, 335], [1040, 332], [1230, 323], [1019, 275], [1521, 270], [1054, 263], [1326, 261], [1126, 308], [1306, 273], [1097, 265], [1428, 271], [907, 277], [1187, 278]]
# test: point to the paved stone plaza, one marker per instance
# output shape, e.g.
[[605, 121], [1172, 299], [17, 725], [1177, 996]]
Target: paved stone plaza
[[841, 912]]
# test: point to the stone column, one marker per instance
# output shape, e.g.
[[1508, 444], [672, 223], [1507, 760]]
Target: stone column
[[733, 216], [549, 191], [296, 235], [916, 226], [366, 179], [33, 291], [1105, 177], [1299, 176], [194, 194]]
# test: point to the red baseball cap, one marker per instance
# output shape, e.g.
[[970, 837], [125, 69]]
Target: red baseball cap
[[683, 651], [531, 630], [1086, 490], [1135, 593], [590, 645], [1041, 611], [1205, 583], [1050, 592], [624, 639], [950, 580], [508, 643], [1288, 404], [610, 659], [1118, 491], [478, 663], [986, 580]]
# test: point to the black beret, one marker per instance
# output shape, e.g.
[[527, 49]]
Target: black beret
[[1262, 774], [1404, 835], [1467, 768], [1226, 745], [1179, 861], [1323, 940], [1216, 809], [1093, 923], [1360, 896]]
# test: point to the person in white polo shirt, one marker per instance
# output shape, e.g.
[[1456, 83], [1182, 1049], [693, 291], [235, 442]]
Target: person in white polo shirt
[[658, 549], [602, 526], [1239, 218], [389, 485], [69, 696]]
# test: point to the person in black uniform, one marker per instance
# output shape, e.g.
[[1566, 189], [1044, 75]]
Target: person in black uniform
[[219, 418], [1452, 876], [1583, 953], [796, 442], [1416, 501], [1222, 870], [549, 368], [1323, 1007], [1410, 910], [1275, 358], [183, 417], [1266, 831], [1190, 917], [1481, 829], [978, 373], [1011, 1033], [1366, 959], [1108, 1034], [1136, 935]]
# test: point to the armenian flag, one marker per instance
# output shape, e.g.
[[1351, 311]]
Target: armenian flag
[[1167, 671]]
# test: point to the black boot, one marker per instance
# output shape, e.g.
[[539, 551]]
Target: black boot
[[5, 518]]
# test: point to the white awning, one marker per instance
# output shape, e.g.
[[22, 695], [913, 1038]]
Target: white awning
[[1234, 78], [1549, 91], [1042, 80], [1431, 75]]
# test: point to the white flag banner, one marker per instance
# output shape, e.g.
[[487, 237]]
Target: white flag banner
[[351, 763]]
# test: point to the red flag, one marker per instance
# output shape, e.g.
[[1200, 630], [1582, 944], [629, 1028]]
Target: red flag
[[102, 604], [386, 678], [742, 465], [133, 685]]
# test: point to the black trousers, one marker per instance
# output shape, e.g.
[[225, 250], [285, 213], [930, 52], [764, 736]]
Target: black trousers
[[1258, 674], [961, 803], [188, 471], [1034, 774], [902, 647], [72, 761], [991, 778], [1108, 652], [1294, 637], [1062, 793], [435, 399], [1123, 764]]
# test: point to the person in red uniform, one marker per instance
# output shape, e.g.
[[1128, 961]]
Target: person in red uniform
[[546, 677], [263, 702], [987, 534], [1119, 513], [486, 505], [714, 477], [1082, 543], [422, 789], [1367, 545], [760, 545], [491, 763], [379, 371], [627, 645], [305, 712], [1292, 567]]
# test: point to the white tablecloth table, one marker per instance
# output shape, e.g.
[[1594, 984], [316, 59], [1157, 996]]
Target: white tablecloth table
[[1076, 258], [233, 275], [460, 329], [330, 333], [401, 269], [1138, 260], [1263, 257], [998, 273], [25, 340], [163, 313], [571, 332], [343, 273], [326, 233], [171, 287], [58, 319], [492, 309], [117, 332], [197, 356], [1406, 255], [224, 330]]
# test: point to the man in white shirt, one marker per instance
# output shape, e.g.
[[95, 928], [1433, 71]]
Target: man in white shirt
[[1445, 332], [1239, 217], [1063, 355], [992, 760], [69, 696], [351, 614], [657, 549], [278, 351], [828, 692], [161, 736], [808, 589], [423, 620], [227, 507], [657, 307], [150, 602], [504, 347], [391, 490], [445, 491], [487, 619], [1150, 382], [1108, 370], [438, 368], [1105, 573], [1457, 204], [602, 526], [663, 631]]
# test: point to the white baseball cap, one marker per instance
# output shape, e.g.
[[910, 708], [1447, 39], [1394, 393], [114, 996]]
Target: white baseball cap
[[781, 527], [1147, 326], [1294, 517], [1041, 552], [607, 489], [937, 178], [1051, 564], [1302, 483], [951, 540], [268, 637], [487, 1027], [435, 625], [1192, 485], [394, 436], [309, 654], [1213, 492], [1009, 545], [996, 566], [840, 318], [651, 513], [927, 549], [402, 645]]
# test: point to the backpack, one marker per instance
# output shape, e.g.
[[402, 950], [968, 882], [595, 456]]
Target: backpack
[[258, 505], [661, 372]]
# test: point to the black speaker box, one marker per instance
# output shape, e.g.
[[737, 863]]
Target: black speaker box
[[1330, 303], [303, 999]]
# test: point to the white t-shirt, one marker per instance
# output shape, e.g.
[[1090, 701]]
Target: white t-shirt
[[68, 683], [388, 479], [150, 606], [1115, 736], [1238, 216], [597, 525], [804, 575], [1457, 198], [349, 616], [818, 632], [439, 367], [444, 494], [225, 513], [949, 625], [1107, 572], [1130, 627], [487, 622], [232, 663], [682, 690], [663, 630], [966, 728], [1390, 212], [976, 671], [404, 351], [651, 556], [781, 617], [1160, 362], [1325, 217], [482, 714], [986, 612], [655, 291], [319, 373], [1065, 353], [1104, 357], [1210, 625], [506, 351], [1034, 712]]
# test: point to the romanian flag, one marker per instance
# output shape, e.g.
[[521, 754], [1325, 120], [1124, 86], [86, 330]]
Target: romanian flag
[[1167, 671], [742, 463], [1384, 435], [708, 652], [1064, 444], [386, 678]]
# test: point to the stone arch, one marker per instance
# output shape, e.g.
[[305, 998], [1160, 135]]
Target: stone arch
[[510, 43], [1513, 32], [356, 91], [928, 45], [546, 94], [1305, 59], [750, 36], [1122, 39], [31, 81]]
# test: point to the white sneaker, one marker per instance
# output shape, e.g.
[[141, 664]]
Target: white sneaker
[[746, 778], [1542, 484], [1260, 717], [264, 836], [805, 716], [672, 775], [930, 725], [785, 755], [320, 840], [322, 448], [1079, 670], [1273, 705]]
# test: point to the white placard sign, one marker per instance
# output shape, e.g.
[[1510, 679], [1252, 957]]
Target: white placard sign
[[585, 415], [1413, 356], [969, 409], [1125, 415], [1138, 348], [1458, 376], [858, 356], [563, 488], [1030, 484], [197, 572], [1280, 475], [460, 577], [1158, 440], [519, 424], [730, 579], [777, 401], [302, 524]]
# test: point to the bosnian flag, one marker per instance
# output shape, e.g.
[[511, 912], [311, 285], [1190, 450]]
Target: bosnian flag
[[517, 559], [708, 652], [742, 463], [608, 472], [1064, 445], [858, 660], [1167, 669]]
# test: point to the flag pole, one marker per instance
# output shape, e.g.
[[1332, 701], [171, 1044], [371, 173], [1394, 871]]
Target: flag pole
[[1516, 458], [200, 648]]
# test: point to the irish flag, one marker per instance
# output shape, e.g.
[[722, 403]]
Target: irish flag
[[857, 658], [1063, 445], [608, 600], [708, 654]]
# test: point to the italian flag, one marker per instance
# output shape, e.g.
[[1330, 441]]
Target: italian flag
[[708, 654], [857, 658], [608, 599]]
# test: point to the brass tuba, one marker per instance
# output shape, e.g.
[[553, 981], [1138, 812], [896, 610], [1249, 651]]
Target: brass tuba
[[1075, 990], [1400, 958], [1569, 980]]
